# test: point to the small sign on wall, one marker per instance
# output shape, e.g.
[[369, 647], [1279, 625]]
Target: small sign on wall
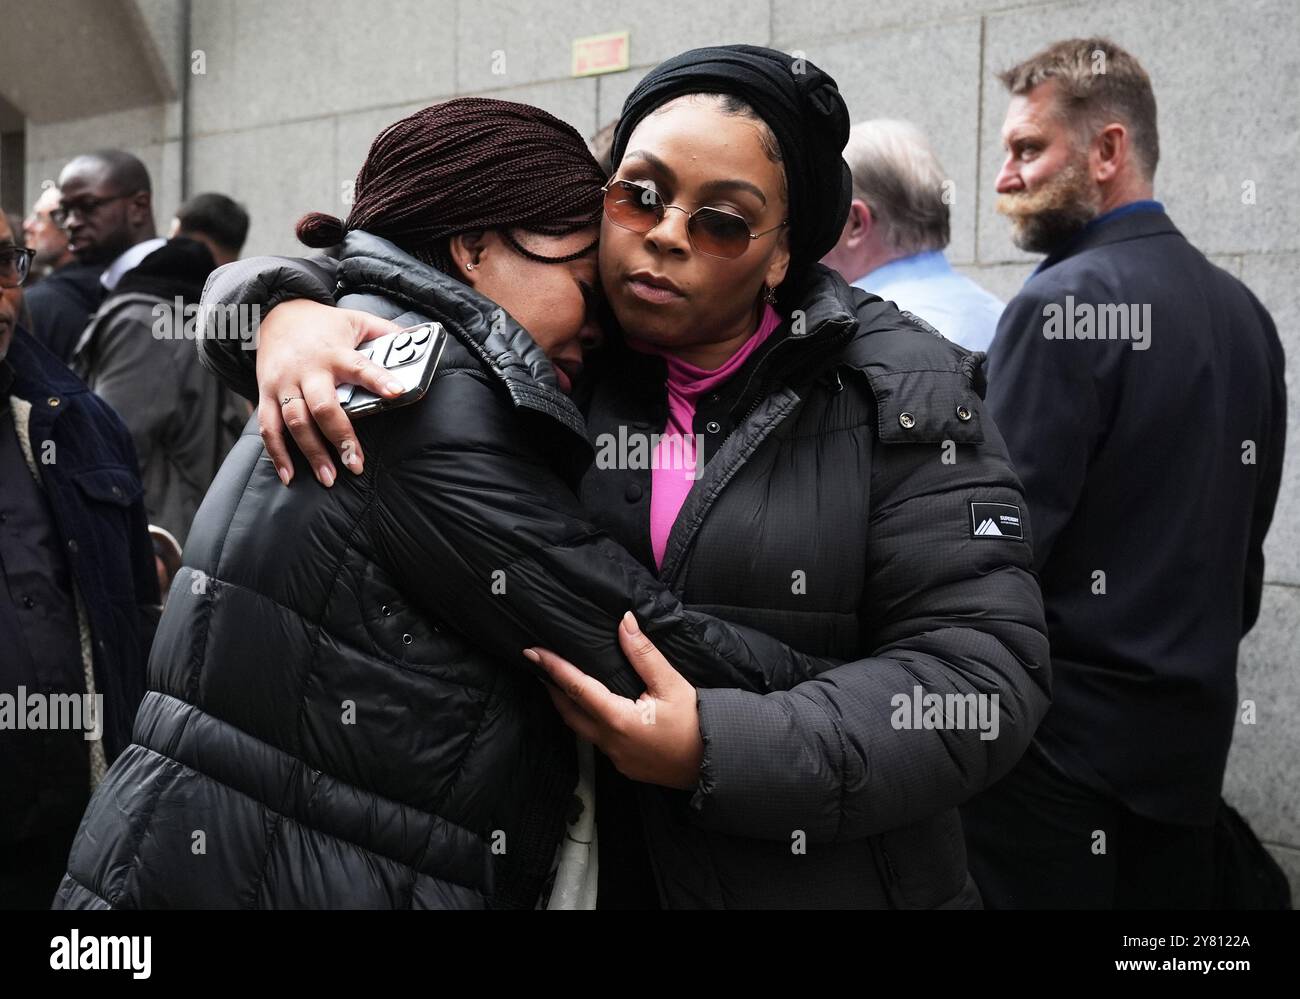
[[600, 54]]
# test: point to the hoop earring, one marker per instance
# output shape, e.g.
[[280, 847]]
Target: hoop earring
[[769, 295]]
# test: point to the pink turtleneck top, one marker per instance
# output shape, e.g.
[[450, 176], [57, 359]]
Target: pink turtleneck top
[[675, 466]]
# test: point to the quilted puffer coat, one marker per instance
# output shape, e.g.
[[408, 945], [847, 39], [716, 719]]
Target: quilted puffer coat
[[858, 504], [338, 711]]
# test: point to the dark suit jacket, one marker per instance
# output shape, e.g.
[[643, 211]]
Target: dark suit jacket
[[1151, 476]]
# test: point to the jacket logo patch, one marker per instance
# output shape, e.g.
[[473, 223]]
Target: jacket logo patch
[[996, 520]]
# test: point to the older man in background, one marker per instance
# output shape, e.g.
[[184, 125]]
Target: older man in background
[[68, 292], [898, 227]]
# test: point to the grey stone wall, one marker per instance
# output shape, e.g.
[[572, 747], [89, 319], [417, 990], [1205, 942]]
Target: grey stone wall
[[294, 91]]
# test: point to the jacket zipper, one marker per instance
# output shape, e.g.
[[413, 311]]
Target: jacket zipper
[[764, 386], [678, 563]]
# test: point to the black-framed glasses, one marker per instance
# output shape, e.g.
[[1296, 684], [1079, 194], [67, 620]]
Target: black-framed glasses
[[83, 207], [15, 265], [714, 231]]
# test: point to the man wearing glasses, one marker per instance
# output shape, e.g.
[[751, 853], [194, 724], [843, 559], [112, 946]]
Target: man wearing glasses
[[134, 354], [78, 597], [68, 295], [106, 206]]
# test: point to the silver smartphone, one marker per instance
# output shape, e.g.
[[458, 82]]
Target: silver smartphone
[[410, 355]]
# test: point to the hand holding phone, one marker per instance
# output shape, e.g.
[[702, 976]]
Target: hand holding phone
[[411, 356]]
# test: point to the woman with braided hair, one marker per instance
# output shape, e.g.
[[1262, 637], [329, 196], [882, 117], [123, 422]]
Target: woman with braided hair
[[338, 713], [844, 467]]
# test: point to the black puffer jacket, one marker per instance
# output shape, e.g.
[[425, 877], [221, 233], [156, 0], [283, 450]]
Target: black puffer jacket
[[851, 470], [338, 710], [842, 510]]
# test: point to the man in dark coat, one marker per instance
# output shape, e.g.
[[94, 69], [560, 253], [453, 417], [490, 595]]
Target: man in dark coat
[[67, 296], [1140, 390], [78, 599]]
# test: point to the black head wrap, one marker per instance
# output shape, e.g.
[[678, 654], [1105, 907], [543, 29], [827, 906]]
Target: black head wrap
[[802, 106]]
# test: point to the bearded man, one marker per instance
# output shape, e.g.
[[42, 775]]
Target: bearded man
[[1140, 391]]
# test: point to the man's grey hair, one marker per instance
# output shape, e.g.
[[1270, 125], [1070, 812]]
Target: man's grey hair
[[1097, 82], [897, 174]]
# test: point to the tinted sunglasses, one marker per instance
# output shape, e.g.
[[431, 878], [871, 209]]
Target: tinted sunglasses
[[713, 231]]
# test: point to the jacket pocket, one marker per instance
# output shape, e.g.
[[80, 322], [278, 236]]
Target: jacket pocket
[[115, 485]]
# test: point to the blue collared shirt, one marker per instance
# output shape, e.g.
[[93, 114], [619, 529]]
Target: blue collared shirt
[[926, 285]]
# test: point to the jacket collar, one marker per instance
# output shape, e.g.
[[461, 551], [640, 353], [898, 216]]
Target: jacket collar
[[1117, 228], [825, 303], [823, 319], [38, 374], [373, 264]]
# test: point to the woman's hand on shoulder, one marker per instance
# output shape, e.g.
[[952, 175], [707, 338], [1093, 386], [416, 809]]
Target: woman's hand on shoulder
[[305, 350]]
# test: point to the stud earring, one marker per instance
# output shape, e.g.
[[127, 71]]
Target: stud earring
[[469, 267]]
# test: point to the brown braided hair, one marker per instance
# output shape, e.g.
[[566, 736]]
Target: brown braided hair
[[472, 163]]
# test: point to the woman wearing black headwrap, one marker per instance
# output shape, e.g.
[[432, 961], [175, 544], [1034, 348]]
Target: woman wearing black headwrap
[[841, 503], [799, 105]]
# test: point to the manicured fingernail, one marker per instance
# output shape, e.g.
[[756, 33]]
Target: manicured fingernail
[[326, 475], [393, 387], [532, 656], [629, 622], [283, 473]]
